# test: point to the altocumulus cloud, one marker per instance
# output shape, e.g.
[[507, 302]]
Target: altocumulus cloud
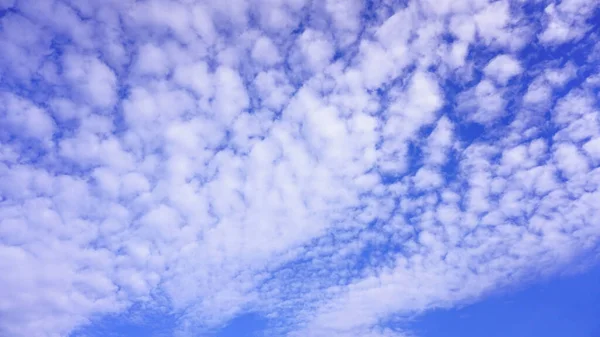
[[331, 165]]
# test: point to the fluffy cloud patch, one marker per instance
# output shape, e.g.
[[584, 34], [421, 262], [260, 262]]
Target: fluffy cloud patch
[[502, 68], [329, 165]]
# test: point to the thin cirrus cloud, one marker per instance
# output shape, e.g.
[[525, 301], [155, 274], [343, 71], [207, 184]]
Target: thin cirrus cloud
[[329, 165]]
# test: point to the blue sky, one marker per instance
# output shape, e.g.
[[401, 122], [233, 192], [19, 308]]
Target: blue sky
[[298, 168], [566, 305], [562, 305]]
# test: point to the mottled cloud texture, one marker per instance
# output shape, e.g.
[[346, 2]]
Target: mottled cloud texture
[[332, 165]]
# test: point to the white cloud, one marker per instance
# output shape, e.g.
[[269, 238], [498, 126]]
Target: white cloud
[[317, 50], [458, 54], [24, 118], [211, 159], [440, 141], [265, 51], [377, 65], [96, 81], [463, 27], [427, 179], [492, 21], [484, 102], [570, 160], [273, 89], [23, 44], [407, 115], [515, 157], [346, 18], [558, 77], [195, 77], [538, 93], [567, 21], [593, 148], [230, 95], [502, 68], [151, 60]]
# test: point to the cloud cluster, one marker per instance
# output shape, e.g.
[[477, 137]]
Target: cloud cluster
[[334, 166]]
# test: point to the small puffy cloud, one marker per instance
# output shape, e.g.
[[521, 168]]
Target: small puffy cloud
[[458, 54], [463, 27], [440, 141], [502, 68], [492, 21], [558, 77], [425, 94], [570, 160], [22, 117], [592, 147], [538, 92], [65, 110], [133, 184], [566, 21], [152, 60], [346, 18], [273, 89], [376, 64], [195, 77], [572, 106], [230, 95], [95, 81], [317, 51], [427, 178], [265, 52], [484, 103]]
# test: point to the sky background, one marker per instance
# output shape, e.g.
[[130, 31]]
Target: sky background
[[299, 168]]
